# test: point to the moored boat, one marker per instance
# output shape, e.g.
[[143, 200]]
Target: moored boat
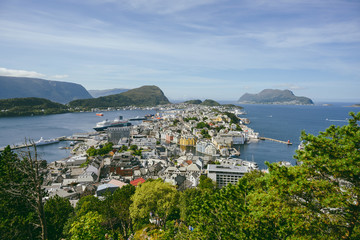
[[42, 141], [118, 122]]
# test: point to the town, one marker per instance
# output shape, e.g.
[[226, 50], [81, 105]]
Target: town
[[178, 144]]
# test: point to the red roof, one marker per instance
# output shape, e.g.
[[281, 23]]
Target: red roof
[[137, 181]]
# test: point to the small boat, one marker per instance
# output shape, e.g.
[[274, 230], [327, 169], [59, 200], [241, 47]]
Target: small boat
[[100, 114], [42, 141]]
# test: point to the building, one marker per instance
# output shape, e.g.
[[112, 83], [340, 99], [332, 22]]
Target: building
[[187, 140], [116, 133], [225, 174]]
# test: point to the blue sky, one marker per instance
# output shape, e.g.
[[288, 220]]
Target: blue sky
[[218, 49]]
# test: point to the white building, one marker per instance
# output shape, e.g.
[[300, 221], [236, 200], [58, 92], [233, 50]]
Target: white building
[[225, 174]]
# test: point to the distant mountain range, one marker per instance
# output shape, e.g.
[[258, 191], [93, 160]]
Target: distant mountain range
[[56, 91], [107, 92], [142, 96], [274, 96]]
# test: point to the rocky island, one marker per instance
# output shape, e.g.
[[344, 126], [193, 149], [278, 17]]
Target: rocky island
[[274, 96]]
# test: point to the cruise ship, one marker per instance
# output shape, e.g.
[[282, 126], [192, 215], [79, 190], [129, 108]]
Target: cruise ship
[[118, 122]]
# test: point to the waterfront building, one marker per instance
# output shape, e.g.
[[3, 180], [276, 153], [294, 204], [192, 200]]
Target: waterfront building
[[225, 174], [116, 133]]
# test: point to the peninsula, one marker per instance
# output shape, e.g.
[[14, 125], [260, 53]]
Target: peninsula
[[274, 96]]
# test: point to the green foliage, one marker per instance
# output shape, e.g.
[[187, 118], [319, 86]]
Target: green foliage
[[123, 148], [205, 133], [16, 214], [102, 151], [190, 118], [210, 103], [233, 117], [88, 227], [114, 210], [193, 101], [153, 196], [133, 147], [57, 212], [201, 125], [30, 106], [206, 183], [175, 122]]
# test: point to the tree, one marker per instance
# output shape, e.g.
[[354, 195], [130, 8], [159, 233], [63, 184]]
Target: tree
[[330, 183], [116, 211], [57, 211], [23, 179], [156, 198], [16, 214], [206, 183], [88, 226]]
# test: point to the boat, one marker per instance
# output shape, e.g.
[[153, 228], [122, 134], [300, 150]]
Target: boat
[[42, 141], [117, 122], [100, 114]]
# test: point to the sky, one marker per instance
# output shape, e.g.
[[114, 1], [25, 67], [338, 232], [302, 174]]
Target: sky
[[191, 49]]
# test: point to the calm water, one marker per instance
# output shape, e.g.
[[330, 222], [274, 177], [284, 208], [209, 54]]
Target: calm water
[[15, 130], [284, 122], [273, 121]]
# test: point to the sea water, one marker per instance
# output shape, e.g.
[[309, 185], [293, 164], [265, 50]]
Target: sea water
[[15, 130], [285, 122], [282, 122]]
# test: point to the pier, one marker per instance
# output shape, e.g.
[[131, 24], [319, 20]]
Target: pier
[[275, 140], [32, 143]]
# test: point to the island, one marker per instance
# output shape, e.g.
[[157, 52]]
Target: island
[[274, 96]]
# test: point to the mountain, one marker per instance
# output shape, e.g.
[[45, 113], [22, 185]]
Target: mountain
[[142, 96], [197, 101], [21, 87], [29, 106], [210, 102], [106, 92], [274, 96]]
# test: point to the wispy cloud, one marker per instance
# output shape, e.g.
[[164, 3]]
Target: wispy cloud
[[59, 76], [20, 73], [346, 32], [157, 6], [25, 73]]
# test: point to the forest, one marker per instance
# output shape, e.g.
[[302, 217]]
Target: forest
[[317, 199]]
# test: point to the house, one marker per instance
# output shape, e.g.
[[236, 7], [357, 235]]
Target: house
[[87, 177], [103, 188], [137, 181], [187, 140]]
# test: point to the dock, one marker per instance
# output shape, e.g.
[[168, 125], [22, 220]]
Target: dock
[[275, 140], [31, 143]]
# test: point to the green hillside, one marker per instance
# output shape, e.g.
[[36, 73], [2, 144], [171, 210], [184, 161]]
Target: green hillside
[[29, 106], [142, 96], [210, 102]]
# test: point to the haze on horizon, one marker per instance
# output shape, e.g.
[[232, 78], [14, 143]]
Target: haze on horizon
[[218, 49]]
